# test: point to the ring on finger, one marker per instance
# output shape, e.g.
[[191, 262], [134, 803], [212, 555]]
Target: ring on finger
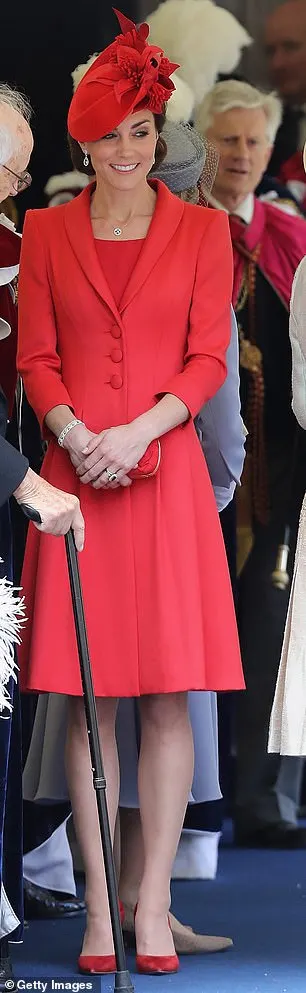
[[112, 476]]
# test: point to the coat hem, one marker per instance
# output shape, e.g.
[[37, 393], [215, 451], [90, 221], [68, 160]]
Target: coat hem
[[151, 691]]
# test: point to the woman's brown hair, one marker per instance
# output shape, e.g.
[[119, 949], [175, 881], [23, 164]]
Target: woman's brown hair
[[77, 155]]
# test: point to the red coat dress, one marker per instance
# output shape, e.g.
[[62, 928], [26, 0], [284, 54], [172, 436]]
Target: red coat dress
[[156, 588]]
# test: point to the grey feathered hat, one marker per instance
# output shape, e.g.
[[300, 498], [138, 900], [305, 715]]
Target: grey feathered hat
[[188, 156]]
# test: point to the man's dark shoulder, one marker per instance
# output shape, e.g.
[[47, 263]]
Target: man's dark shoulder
[[273, 191], [13, 465], [287, 140]]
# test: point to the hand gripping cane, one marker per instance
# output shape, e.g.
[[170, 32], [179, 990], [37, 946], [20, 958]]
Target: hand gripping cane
[[123, 982]]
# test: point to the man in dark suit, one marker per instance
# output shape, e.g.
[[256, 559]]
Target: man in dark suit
[[58, 512], [268, 240], [285, 45]]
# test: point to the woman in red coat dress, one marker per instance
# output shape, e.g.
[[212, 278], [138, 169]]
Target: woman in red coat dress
[[125, 342]]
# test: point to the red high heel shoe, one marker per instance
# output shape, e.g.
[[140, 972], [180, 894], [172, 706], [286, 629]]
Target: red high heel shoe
[[100, 963], [157, 965], [97, 963]]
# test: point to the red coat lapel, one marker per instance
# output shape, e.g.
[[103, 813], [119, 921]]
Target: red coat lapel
[[167, 215], [79, 231], [166, 218]]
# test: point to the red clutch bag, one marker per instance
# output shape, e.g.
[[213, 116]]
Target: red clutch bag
[[149, 464]]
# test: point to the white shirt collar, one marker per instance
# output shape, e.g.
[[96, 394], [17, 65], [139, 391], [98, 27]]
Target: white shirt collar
[[5, 329], [246, 209], [7, 223], [8, 273]]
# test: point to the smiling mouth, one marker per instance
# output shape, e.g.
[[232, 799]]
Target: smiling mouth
[[124, 168], [238, 172]]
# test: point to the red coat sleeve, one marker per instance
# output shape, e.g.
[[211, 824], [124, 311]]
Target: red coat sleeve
[[210, 320], [37, 359]]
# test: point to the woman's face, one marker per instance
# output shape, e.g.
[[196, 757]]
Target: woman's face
[[124, 157]]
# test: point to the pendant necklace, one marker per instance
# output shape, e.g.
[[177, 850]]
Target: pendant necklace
[[118, 229], [117, 232]]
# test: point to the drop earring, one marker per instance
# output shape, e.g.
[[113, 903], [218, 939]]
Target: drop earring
[[85, 159]]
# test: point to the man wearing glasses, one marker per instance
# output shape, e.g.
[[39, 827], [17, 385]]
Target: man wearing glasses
[[58, 511], [18, 183]]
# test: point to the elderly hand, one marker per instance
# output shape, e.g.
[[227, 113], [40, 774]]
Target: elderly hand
[[115, 451], [59, 511]]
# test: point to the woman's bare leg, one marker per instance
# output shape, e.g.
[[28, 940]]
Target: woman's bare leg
[[132, 857], [98, 937], [165, 779]]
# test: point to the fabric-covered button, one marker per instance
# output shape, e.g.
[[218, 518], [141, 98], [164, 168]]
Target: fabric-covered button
[[115, 331], [116, 355], [116, 381]]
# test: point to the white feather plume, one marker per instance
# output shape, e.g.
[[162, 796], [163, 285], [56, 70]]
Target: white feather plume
[[204, 39], [73, 180], [80, 70], [180, 107], [12, 618]]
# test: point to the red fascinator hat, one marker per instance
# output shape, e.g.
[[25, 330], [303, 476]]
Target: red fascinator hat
[[128, 75]]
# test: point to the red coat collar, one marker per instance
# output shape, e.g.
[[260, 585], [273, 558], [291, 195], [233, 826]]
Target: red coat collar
[[166, 218]]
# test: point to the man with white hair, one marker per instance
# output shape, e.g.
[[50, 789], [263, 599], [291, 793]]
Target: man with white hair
[[269, 240], [58, 512]]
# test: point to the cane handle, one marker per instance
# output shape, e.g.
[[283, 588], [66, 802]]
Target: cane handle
[[31, 513]]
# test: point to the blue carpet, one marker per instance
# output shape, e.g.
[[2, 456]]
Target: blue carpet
[[259, 899]]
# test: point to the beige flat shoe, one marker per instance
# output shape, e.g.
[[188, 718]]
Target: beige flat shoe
[[186, 941]]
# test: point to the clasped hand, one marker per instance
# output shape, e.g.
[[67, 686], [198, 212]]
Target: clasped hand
[[117, 450]]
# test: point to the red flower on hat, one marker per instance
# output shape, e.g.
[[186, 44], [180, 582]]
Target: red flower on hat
[[130, 35], [127, 75], [132, 64], [146, 73]]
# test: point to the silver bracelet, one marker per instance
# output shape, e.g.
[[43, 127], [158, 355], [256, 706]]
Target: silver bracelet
[[62, 435]]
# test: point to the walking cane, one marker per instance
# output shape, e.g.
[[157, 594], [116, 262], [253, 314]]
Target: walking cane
[[123, 982]]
